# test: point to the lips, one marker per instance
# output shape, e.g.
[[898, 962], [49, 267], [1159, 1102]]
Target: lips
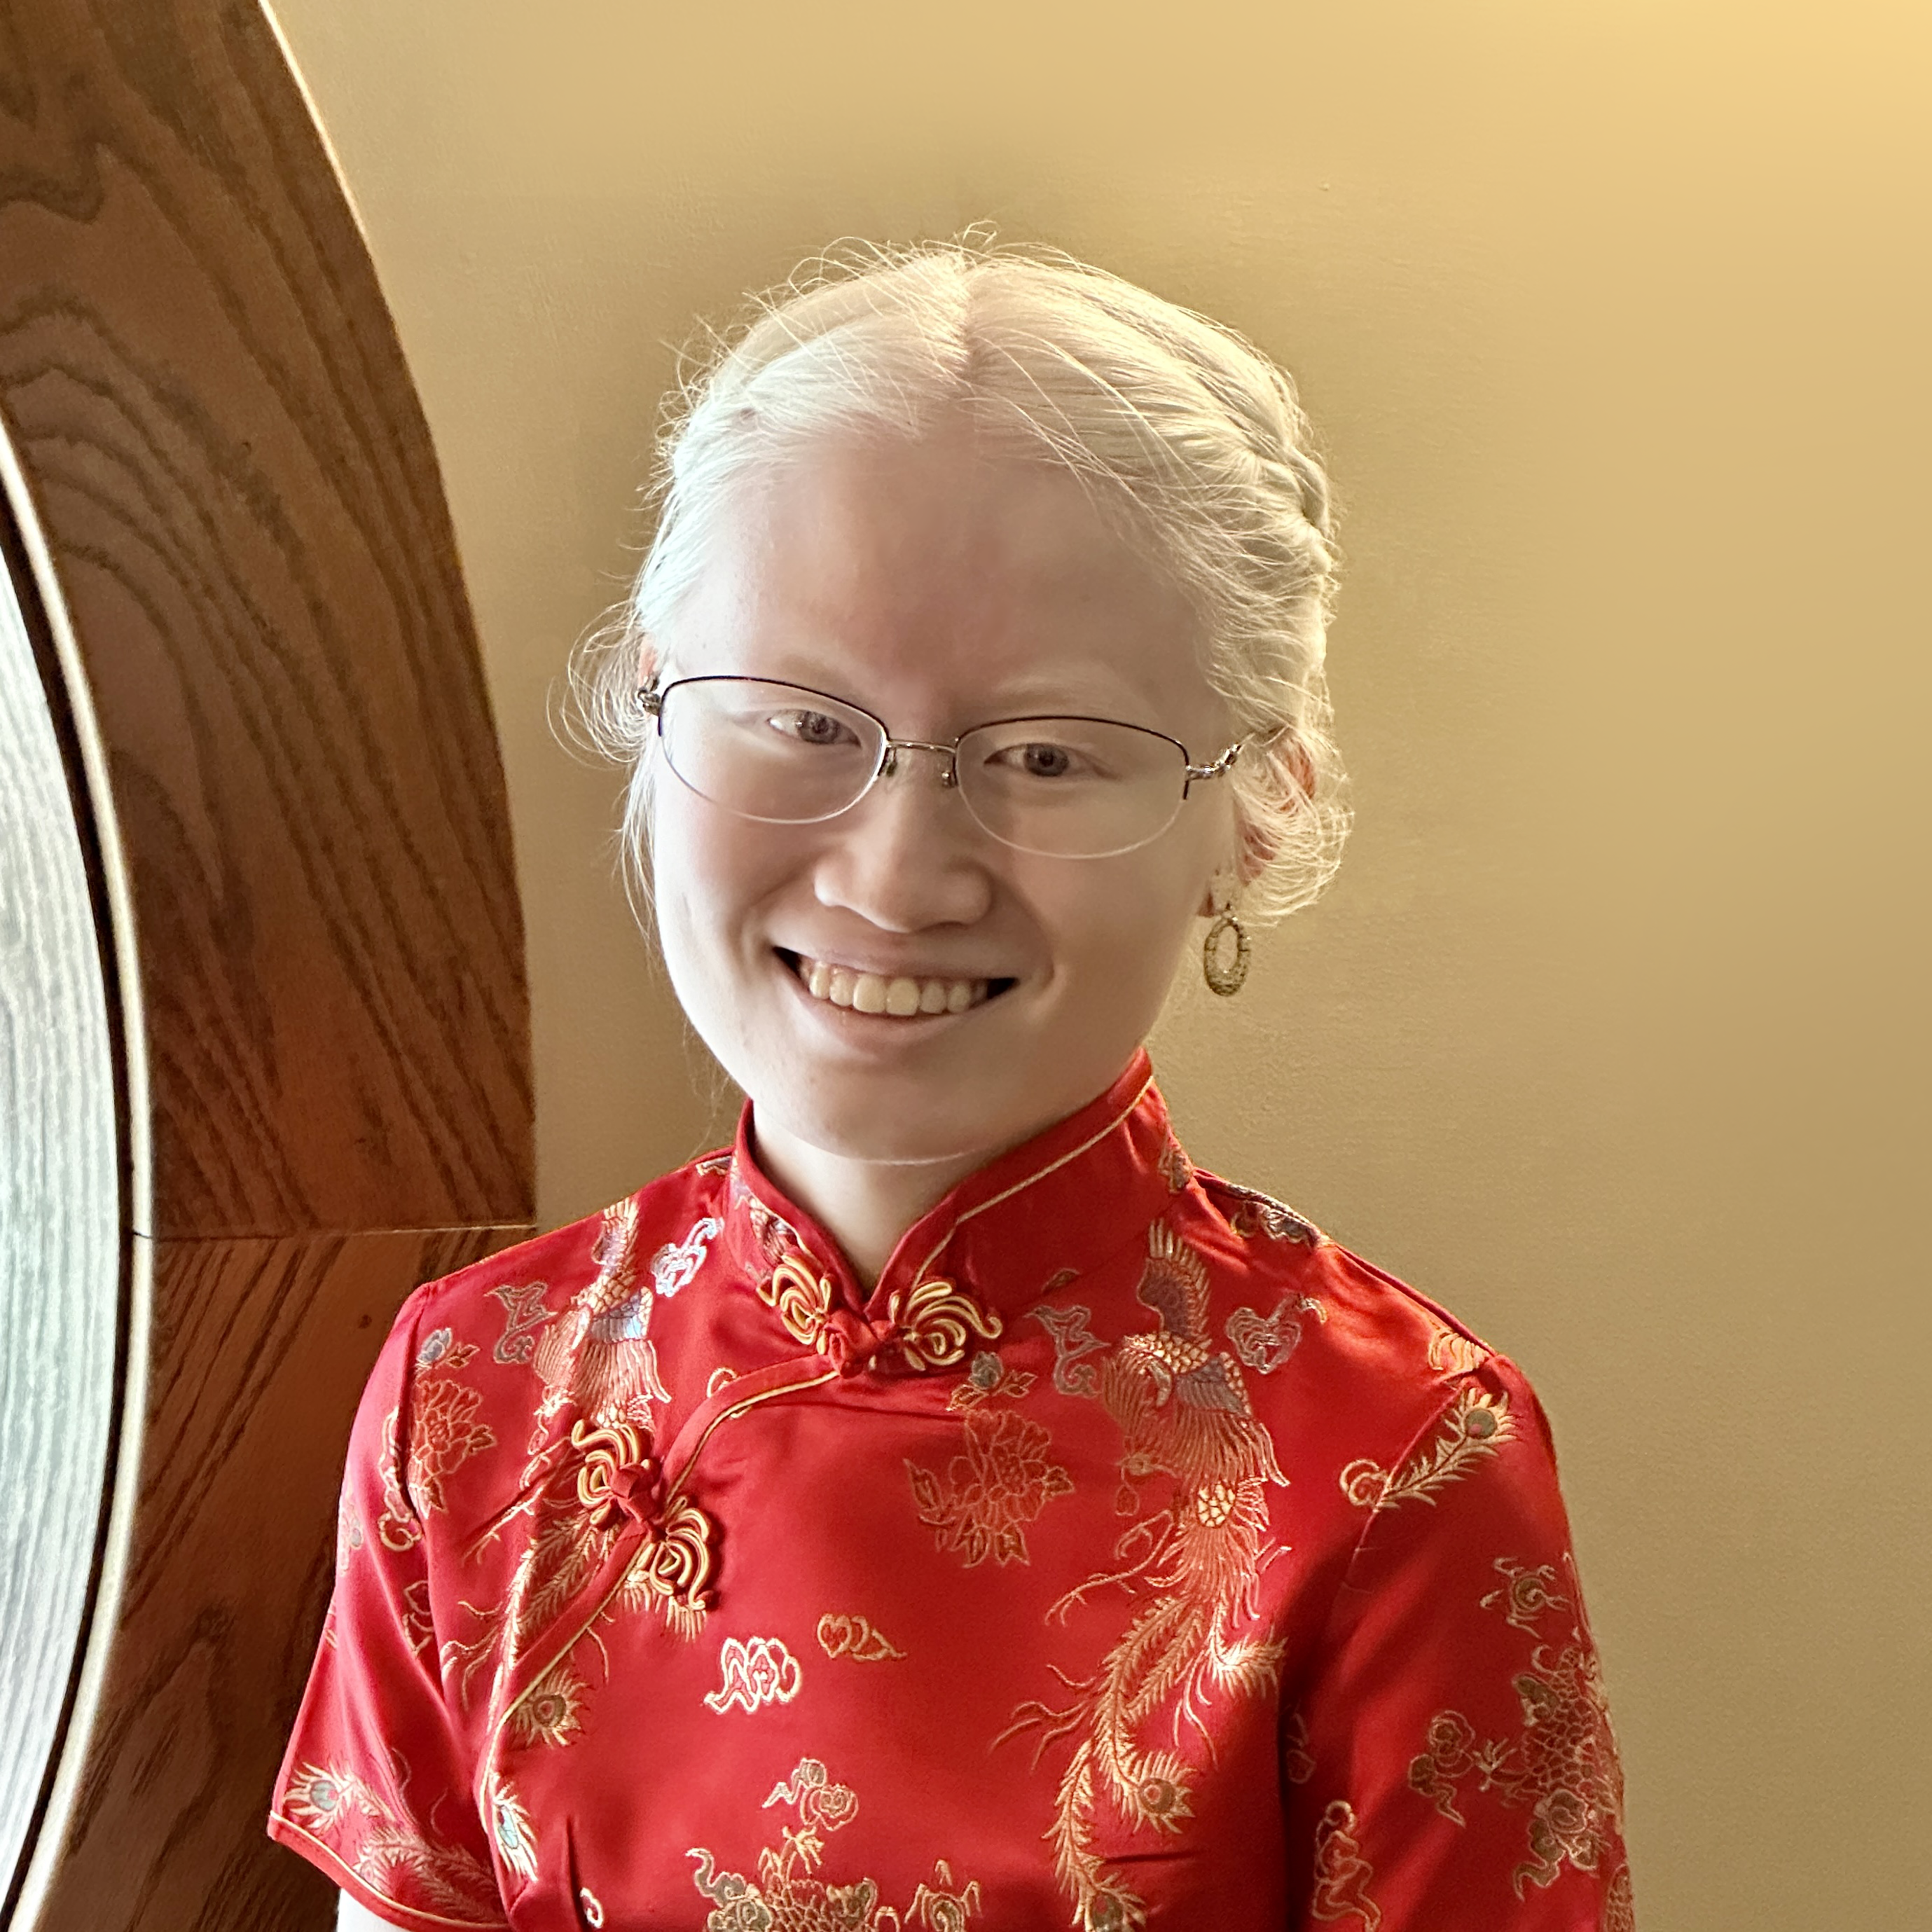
[[898, 996]]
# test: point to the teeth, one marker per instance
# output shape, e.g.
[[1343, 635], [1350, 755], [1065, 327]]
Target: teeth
[[901, 998]]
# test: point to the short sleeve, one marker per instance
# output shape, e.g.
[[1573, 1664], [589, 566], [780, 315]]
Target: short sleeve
[[375, 1790], [1450, 1765]]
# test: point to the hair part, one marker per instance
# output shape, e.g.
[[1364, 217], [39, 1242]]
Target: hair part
[[1194, 436]]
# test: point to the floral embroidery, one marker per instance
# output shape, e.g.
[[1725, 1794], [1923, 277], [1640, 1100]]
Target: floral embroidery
[[840, 1635], [552, 1712], [1265, 1342], [1000, 1481], [1071, 1340], [592, 1908], [1563, 1768], [599, 1353], [757, 1671], [523, 1315], [397, 1525], [675, 1264], [720, 1376], [1258, 1213], [348, 1529], [444, 1434], [375, 1837], [1478, 1425], [785, 1898], [987, 1376], [1182, 1412], [1341, 1874], [441, 1348]]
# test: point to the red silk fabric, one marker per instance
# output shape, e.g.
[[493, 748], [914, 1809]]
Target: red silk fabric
[[1132, 1555]]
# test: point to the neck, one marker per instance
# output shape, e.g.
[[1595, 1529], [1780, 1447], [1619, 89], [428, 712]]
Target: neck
[[864, 1205]]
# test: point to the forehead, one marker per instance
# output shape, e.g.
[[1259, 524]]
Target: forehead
[[895, 562]]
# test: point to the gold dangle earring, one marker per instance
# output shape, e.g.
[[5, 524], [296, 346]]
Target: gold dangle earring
[[1225, 973]]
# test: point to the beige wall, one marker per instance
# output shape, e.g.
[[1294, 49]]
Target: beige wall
[[1612, 1034]]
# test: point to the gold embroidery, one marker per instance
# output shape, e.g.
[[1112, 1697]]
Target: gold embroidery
[[673, 1569], [785, 1898], [444, 1434], [418, 1620], [1071, 1340], [1258, 1213], [592, 1908], [523, 1315], [1476, 1427], [1182, 1412], [854, 1637], [1000, 1481], [933, 1323], [1341, 1874], [377, 1838], [1563, 1768], [756, 1671], [510, 1826], [801, 1297], [615, 1483], [721, 1377], [987, 1377], [1265, 1342], [1525, 1594], [552, 1712], [1450, 1349], [599, 1353]]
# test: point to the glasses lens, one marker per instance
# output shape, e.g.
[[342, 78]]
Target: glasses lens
[[774, 751], [1072, 788]]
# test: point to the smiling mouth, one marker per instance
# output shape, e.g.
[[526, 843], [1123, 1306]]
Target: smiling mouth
[[896, 997]]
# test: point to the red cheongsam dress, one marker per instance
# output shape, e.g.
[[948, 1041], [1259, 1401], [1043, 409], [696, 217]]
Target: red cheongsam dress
[[1132, 1555]]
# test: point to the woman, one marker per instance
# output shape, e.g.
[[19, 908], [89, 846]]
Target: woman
[[948, 1507]]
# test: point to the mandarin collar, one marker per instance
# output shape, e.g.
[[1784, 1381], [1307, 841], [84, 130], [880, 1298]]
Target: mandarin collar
[[1030, 1220]]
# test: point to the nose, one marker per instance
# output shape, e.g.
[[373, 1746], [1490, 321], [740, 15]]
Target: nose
[[908, 857]]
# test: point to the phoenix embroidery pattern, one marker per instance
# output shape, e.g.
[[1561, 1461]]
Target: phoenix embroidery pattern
[[1182, 1412]]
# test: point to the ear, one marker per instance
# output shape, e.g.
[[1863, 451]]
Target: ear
[[648, 656], [1291, 771]]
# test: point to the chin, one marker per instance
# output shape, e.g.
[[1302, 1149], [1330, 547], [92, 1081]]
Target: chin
[[887, 1125]]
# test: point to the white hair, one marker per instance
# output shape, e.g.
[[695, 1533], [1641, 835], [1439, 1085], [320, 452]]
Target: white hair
[[1197, 438]]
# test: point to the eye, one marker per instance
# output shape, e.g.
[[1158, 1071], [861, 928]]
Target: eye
[[1041, 758], [813, 728]]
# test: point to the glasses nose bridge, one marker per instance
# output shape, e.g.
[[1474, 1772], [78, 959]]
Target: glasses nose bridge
[[949, 774]]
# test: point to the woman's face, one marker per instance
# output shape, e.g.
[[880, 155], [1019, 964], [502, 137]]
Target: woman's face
[[938, 586]]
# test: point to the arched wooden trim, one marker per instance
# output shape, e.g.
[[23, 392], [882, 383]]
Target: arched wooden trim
[[234, 554]]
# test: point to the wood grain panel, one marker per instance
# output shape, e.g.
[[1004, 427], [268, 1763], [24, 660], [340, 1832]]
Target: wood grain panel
[[235, 480], [296, 815], [260, 1347]]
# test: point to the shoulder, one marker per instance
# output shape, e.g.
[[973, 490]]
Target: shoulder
[[490, 1298], [1363, 1343], [475, 1357]]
